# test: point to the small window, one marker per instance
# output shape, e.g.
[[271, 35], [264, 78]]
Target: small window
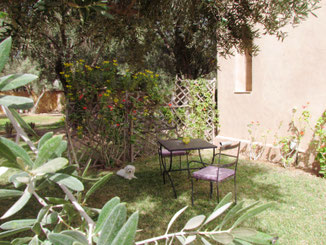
[[243, 72]]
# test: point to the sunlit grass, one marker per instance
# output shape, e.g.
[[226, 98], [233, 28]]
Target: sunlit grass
[[42, 121]]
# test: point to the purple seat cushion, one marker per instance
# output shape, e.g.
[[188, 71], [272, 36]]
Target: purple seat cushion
[[210, 173], [166, 153]]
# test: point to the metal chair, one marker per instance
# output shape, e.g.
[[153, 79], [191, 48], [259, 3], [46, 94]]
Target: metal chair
[[220, 172], [168, 133]]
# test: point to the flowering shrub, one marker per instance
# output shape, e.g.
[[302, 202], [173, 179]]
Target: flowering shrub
[[256, 149], [106, 105], [289, 145], [320, 133]]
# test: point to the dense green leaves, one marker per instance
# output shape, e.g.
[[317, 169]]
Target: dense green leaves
[[179, 37]]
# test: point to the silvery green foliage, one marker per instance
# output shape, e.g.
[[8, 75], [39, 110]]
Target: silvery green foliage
[[204, 231], [55, 220], [13, 81], [10, 103]]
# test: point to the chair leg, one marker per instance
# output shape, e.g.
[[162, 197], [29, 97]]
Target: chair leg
[[160, 161], [211, 190], [163, 172], [192, 192], [235, 190], [188, 166], [218, 197]]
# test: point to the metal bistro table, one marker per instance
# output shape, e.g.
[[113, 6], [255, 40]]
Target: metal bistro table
[[178, 145]]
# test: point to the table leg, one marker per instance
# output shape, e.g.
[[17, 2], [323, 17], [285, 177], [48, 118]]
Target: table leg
[[166, 171], [169, 176], [188, 165]]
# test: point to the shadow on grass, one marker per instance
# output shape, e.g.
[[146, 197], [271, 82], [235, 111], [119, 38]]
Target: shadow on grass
[[149, 182], [254, 182], [156, 203]]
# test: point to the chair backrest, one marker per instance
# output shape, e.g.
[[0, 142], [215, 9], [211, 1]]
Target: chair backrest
[[230, 150]]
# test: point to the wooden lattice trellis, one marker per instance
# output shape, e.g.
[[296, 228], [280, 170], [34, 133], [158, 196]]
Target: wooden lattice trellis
[[182, 98]]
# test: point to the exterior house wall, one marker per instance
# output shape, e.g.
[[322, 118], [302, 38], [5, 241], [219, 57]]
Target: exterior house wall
[[284, 75]]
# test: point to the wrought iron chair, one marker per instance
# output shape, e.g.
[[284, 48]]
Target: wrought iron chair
[[168, 133], [221, 171]]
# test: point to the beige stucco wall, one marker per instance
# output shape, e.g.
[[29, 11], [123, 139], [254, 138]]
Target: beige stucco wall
[[285, 75]]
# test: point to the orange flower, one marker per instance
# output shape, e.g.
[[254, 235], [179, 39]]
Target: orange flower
[[170, 104], [302, 133]]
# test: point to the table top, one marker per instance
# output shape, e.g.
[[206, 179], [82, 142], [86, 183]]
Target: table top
[[178, 145]]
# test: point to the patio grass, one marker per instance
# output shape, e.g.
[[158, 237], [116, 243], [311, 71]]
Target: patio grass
[[297, 217]]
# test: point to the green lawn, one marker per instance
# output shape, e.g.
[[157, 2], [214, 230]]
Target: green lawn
[[297, 217], [48, 121]]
